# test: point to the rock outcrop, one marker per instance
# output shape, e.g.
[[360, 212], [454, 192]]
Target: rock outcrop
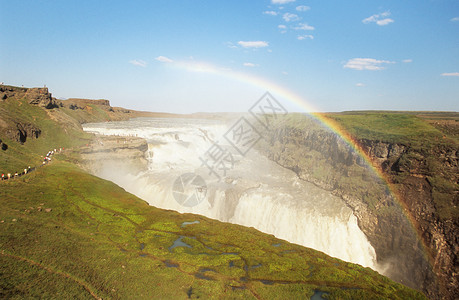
[[115, 154], [77, 103], [40, 97], [96, 110], [23, 131], [36, 96], [3, 146]]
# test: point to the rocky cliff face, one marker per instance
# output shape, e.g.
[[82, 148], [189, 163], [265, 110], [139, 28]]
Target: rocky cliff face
[[321, 157], [115, 154], [78, 103], [415, 173], [23, 131], [36, 96]]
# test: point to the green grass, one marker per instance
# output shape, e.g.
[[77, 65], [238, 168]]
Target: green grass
[[99, 239], [402, 128]]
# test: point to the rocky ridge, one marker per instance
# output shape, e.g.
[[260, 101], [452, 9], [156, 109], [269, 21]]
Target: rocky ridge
[[36, 96]]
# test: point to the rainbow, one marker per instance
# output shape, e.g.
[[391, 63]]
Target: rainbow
[[284, 93]]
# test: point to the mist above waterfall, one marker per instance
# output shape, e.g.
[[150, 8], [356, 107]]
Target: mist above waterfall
[[255, 192]]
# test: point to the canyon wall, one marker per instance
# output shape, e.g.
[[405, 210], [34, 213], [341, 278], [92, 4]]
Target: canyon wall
[[397, 230]]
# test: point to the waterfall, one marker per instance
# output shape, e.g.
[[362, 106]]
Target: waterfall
[[256, 192]]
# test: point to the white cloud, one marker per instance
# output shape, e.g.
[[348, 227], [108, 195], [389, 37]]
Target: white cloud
[[303, 26], [366, 64], [230, 45], [384, 22], [288, 17], [385, 14], [281, 1], [302, 8], [248, 64], [379, 19], [270, 12], [284, 73], [456, 74], [283, 28], [359, 84], [164, 59], [138, 62], [305, 36], [407, 60], [455, 19], [253, 44]]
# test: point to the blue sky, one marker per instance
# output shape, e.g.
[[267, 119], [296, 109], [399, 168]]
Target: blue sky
[[336, 55]]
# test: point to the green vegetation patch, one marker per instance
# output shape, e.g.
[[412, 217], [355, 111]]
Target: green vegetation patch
[[389, 127], [58, 225]]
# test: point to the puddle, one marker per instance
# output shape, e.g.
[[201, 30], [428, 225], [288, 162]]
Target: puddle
[[318, 295], [267, 282], [202, 276], [170, 264], [178, 243], [203, 270], [255, 266], [189, 223], [142, 246], [276, 245]]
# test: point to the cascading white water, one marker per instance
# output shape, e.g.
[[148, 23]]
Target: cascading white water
[[256, 192]]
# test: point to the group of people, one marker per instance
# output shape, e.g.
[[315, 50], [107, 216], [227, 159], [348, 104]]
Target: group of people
[[46, 159], [50, 154]]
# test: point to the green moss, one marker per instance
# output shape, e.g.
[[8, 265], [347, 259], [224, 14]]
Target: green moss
[[98, 245]]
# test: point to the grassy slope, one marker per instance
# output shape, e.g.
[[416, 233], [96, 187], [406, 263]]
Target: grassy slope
[[18, 156], [99, 241]]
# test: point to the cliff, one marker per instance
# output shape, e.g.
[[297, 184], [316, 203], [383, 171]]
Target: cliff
[[36, 96], [424, 174], [115, 154]]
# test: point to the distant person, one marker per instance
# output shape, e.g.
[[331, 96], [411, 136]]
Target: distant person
[[3, 175], [25, 171], [16, 174]]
